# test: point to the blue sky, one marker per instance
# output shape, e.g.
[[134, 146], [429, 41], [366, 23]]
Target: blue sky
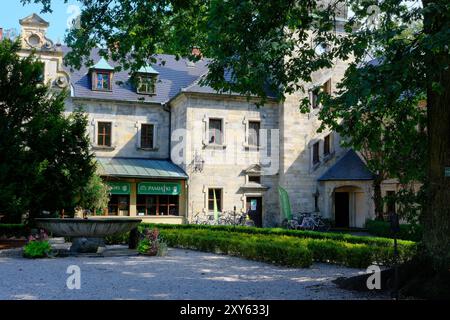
[[13, 10]]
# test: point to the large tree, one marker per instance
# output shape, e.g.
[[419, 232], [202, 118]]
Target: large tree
[[45, 160], [263, 44]]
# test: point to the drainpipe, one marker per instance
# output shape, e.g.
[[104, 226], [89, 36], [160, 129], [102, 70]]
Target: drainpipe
[[166, 107]]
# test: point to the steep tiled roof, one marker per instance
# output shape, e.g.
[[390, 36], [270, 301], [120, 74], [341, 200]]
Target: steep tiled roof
[[173, 76], [349, 167]]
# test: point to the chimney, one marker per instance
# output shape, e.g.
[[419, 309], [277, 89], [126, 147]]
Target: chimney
[[1, 34], [196, 52]]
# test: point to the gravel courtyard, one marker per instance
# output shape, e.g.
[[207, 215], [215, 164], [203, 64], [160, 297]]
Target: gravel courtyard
[[182, 275]]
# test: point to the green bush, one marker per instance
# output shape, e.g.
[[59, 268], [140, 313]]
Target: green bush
[[377, 241], [284, 250], [285, 247], [13, 230], [383, 229], [252, 247], [37, 249], [118, 239]]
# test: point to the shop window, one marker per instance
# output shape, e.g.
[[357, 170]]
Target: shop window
[[157, 205], [104, 134], [218, 198], [119, 205]]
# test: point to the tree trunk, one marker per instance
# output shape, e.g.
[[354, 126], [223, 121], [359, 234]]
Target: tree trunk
[[378, 198], [436, 218]]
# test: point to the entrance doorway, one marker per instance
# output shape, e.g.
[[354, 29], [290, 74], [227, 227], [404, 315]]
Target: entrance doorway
[[254, 210], [342, 209]]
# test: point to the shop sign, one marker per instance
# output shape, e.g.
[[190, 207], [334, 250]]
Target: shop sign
[[159, 188], [121, 188]]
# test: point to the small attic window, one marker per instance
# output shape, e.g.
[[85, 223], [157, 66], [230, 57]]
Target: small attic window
[[146, 80], [102, 76], [147, 84], [102, 81]]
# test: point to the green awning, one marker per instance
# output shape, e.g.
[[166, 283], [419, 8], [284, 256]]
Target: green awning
[[140, 168]]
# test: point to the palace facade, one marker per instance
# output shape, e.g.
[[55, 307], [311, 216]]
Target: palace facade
[[170, 148]]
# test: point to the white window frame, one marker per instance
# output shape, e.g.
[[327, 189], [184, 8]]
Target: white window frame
[[246, 123], [113, 131], [206, 142], [155, 135], [319, 87], [206, 189]]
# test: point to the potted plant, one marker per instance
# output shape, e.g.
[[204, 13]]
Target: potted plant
[[151, 243]]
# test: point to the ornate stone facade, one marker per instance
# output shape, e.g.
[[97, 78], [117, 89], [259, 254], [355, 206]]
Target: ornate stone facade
[[241, 175]]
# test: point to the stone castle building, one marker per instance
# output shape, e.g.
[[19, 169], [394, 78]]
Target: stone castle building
[[170, 147]]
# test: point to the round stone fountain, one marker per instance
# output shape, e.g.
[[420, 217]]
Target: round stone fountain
[[88, 235]]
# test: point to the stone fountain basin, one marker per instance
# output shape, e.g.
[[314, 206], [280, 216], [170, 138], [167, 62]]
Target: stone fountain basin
[[88, 234]]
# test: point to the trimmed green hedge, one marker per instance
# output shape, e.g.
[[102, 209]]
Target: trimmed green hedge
[[13, 230], [284, 250], [383, 229], [378, 241]]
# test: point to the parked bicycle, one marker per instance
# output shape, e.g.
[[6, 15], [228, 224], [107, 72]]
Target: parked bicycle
[[226, 218], [307, 221]]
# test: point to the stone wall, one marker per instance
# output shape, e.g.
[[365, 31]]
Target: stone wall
[[224, 166], [126, 119]]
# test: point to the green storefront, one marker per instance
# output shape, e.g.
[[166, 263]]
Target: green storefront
[[152, 189]]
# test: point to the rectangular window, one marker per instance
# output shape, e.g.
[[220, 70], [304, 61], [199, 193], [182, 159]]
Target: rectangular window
[[253, 133], [104, 134], [327, 145], [146, 85], [326, 87], [315, 98], [102, 81], [147, 136], [218, 194], [316, 158], [215, 131], [157, 205], [254, 179]]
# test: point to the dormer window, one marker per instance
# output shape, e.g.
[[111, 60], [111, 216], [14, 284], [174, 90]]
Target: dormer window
[[146, 80], [102, 75], [146, 84], [102, 81]]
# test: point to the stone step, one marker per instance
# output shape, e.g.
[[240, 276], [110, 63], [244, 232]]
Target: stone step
[[56, 240]]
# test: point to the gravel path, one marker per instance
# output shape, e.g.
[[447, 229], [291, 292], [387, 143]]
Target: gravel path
[[182, 275]]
